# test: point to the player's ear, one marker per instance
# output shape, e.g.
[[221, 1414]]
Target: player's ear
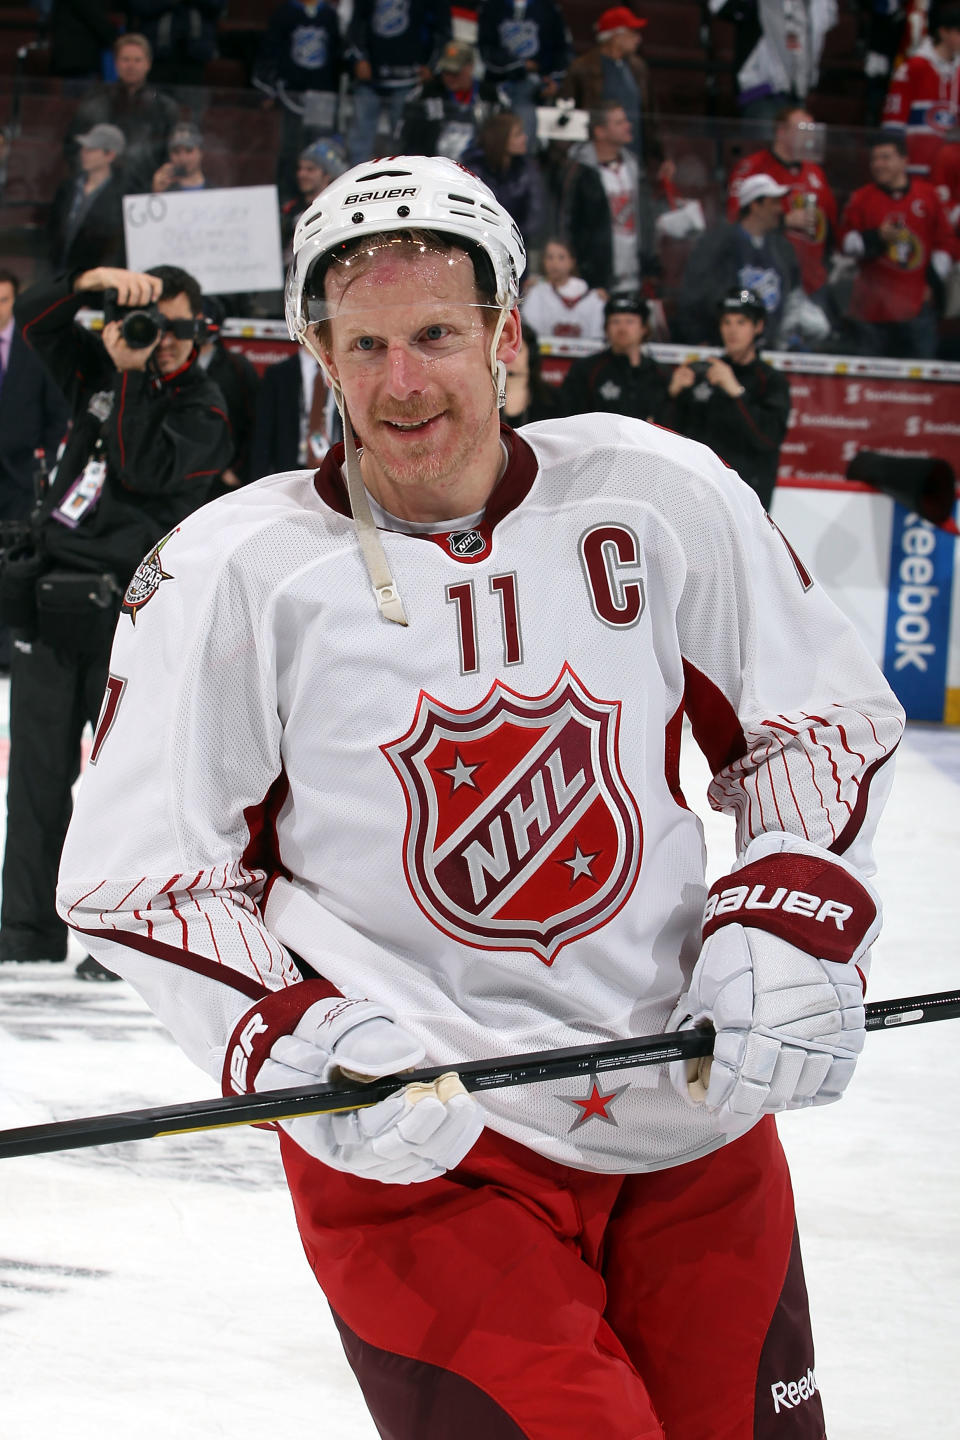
[[511, 338]]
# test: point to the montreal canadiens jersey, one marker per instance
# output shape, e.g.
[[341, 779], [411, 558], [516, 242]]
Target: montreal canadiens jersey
[[476, 820], [924, 101]]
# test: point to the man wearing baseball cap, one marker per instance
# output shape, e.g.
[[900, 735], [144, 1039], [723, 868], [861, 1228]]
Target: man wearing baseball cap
[[613, 71], [85, 225], [621, 379], [751, 253]]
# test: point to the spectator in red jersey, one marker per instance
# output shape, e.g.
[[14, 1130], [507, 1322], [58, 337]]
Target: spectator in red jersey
[[895, 228], [923, 101], [809, 206]]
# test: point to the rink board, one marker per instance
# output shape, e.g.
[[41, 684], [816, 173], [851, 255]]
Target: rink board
[[894, 575]]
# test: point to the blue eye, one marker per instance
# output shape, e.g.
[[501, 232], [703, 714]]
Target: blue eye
[[366, 342], [434, 332]]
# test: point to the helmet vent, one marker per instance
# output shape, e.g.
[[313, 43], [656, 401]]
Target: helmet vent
[[382, 175]]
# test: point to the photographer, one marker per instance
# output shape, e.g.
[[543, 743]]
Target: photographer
[[735, 402], [148, 435]]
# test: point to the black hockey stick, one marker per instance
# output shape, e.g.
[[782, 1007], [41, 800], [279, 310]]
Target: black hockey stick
[[476, 1075]]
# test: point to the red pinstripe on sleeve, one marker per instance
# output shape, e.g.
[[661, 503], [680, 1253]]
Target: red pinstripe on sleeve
[[806, 774]]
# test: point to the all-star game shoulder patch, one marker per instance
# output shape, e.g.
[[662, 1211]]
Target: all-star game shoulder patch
[[147, 579]]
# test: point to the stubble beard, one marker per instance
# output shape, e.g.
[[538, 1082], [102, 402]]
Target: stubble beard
[[423, 464]]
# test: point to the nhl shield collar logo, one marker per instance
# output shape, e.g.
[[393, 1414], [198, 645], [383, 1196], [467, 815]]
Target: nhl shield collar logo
[[521, 831]]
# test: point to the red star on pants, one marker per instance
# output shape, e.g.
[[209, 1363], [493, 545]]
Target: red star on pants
[[594, 1107]]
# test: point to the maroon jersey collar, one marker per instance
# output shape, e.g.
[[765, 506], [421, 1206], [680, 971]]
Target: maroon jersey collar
[[511, 489]]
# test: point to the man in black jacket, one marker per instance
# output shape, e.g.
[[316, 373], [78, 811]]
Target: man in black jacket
[[148, 436], [621, 378], [735, 402]]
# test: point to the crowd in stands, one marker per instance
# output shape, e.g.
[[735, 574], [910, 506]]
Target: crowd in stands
[[851, 248]]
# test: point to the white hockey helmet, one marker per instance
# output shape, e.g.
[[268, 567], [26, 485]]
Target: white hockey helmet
[[404, 192]]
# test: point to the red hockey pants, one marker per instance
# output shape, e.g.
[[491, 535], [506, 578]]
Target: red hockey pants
[[518, 1299]]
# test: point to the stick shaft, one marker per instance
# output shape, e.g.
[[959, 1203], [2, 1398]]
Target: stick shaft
[[476, 1075]]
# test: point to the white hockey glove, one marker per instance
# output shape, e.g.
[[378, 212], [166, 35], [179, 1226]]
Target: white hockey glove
[[780, 977], [302, 1035]]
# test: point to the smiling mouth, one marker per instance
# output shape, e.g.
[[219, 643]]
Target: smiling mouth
[[407, 426]]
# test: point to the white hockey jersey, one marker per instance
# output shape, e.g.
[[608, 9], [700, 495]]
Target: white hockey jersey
[[477, 819], [568, 310]]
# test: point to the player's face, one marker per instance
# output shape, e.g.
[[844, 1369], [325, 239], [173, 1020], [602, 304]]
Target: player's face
[[7, 298], [949, 40], [410, 345], [132, 65], [172, 354], [557, 264], [738, 333]]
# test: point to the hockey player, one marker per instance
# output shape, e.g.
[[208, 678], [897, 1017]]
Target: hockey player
[[388, 770], [923, 101]]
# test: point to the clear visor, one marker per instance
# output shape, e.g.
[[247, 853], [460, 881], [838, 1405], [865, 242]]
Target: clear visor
[[392, 274]]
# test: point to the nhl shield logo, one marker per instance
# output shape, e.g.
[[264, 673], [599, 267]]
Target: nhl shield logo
[[521, 831]]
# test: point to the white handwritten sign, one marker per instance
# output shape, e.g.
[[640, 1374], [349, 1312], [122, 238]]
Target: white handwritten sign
[[229, 239]]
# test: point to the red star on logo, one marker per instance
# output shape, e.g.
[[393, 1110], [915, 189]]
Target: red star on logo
[[594, 1107]]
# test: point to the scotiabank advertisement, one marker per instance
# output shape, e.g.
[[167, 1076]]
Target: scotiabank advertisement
[[834, 416]]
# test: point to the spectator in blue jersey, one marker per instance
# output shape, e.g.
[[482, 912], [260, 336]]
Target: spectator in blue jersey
[[525, 47], [298, 67], [750, 253], [446, 112], [392, 46]]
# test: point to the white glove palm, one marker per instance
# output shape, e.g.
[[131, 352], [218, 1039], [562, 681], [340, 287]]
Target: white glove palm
[[415, 1134], [780, 979]]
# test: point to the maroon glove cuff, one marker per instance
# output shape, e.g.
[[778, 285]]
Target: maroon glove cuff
[[276, 1014], [807, 900]]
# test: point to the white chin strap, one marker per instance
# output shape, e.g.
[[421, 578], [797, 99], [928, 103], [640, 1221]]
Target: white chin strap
[[371, 548]]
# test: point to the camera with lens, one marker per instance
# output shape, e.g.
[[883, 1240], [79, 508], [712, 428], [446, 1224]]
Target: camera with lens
[[140, 325]]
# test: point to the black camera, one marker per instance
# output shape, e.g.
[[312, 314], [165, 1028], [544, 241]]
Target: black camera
[[140, 326]]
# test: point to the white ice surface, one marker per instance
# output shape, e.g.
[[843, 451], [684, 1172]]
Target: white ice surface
[[158, 1290]]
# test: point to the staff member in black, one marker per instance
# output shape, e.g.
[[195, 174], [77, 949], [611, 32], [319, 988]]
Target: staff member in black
[[621, 379], [736, 403], [148, 434]]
